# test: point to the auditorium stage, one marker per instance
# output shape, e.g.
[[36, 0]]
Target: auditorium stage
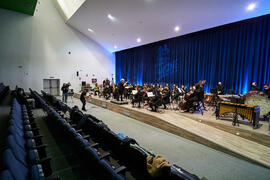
[[242, 142]]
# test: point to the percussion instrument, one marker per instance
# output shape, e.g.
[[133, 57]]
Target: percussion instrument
[[261, 101], [251, 112]]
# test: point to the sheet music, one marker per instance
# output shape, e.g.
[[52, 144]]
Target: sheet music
[[150, 94], [134, 92], [180, 90]]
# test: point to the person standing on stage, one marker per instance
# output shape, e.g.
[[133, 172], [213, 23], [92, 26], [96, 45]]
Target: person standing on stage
[[220, 89], [254, 87], [83, 99], [121, 89]]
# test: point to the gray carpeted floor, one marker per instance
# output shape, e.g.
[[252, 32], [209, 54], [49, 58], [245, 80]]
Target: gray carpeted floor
[[192, 156]]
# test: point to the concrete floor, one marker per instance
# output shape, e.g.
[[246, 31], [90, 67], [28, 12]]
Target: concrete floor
[[194, 157]]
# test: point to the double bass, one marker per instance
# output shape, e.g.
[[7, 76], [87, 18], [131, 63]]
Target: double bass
[[183, 105]]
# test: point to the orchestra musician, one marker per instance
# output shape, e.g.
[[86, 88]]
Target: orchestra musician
[[266, 91], [183, 90], [155, 101], [106, 82], [96, 89], [121, 87], [220, 89], [195, 96], [166, 94], [138, 97], [175, 94], [106, 88], [254, 87]]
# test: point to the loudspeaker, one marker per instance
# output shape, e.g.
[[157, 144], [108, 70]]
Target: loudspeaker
[[77, 73], [83, 83]]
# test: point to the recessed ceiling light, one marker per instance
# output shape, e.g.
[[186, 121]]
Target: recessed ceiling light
[[90, 30], [111, 17], [115, 47], [177, 28], [251, 6], [139, 40]]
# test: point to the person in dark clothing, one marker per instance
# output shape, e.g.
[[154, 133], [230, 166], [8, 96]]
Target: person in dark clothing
[[156, 101], [254, 87], [220, 89], [195, 96], [64, 90], [137, 98], [266, 91], [106, 82], [175, 94], [121, 89], [183, 90], [166, 96], [83, 99], [21, 96]]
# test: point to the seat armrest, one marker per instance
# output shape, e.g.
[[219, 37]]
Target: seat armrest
[[121, 169], [94, 145], [79, 131], [86, 137], [73, 125], [43, 146], [46, 166], [105, 155], [46, 159]]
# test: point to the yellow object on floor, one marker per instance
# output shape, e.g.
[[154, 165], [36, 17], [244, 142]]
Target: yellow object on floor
[[156, 164]]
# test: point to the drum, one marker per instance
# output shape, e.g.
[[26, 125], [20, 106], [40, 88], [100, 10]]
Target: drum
[[259, 100]]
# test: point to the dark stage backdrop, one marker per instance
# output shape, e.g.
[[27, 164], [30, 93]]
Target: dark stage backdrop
[[236, 54]]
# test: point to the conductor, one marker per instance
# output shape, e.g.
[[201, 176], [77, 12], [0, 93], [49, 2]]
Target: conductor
[[120, 88]]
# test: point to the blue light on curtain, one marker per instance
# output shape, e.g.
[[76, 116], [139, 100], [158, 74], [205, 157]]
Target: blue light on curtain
[[235, 54]]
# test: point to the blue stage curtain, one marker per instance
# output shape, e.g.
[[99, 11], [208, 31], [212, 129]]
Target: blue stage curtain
[[235, 54]]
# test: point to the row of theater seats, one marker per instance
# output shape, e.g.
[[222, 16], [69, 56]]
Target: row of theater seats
[[3, 91], [127, 150], [25, 155], [97, 163]]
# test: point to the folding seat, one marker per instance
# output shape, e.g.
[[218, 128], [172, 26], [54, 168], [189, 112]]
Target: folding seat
[[91, 155], [6, 175], [18, 170], [20, 153], [29, 143], [81, 143], [29, 156], [106, 171], [25, 134], [23, 127]]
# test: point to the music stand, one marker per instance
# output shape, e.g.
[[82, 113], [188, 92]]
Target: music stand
[[71, 94]]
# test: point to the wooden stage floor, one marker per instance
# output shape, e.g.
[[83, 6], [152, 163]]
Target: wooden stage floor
[[242, 142]]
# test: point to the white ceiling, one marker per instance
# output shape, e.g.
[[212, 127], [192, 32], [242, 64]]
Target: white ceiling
[[154, 20]]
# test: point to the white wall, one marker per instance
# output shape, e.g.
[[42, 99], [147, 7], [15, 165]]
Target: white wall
[[69, 7], [40, 44]]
